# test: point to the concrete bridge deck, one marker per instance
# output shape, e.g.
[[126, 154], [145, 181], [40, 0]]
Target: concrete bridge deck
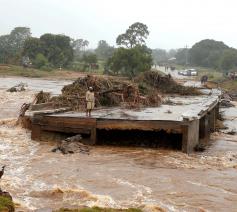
[[193, 117]]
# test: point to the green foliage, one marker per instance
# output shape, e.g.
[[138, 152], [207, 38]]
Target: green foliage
[[79, 46], [12, 70], [6, 204], [58, 49], [18, 36], [89, 58], [207, 53], [5, 51], [103, 50], [228, 59], [32, 47], [131, 62], [136, 57], [40, 61], [11, 45], [159, 55], [182, 56], [134, 35]]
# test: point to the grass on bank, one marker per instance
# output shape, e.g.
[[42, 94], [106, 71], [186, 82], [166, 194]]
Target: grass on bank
[[12, 70], [6, 204], [229, 85]]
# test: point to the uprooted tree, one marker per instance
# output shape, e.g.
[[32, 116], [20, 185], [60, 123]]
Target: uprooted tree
[[135, 56]]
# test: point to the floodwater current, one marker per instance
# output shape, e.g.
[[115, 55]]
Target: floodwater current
[[119, 177]]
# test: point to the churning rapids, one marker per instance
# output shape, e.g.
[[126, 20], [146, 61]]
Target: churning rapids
[[151, 179]]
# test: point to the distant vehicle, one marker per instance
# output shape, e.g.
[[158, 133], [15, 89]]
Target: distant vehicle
[[188, 72], [181, 72], [192, 72]]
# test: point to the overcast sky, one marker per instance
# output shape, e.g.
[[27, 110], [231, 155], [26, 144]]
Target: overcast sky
[[172, 23]]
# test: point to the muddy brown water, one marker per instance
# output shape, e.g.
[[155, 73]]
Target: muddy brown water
[[114, 176]]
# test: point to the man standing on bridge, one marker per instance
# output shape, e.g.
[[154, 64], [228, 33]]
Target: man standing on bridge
[[90, 101]]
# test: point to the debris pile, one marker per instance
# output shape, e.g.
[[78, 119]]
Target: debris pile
[[144, 91], [234, 96], [226, 101], [72, 145], [165, 84], [108, 92], [42, 97], [18, 88]]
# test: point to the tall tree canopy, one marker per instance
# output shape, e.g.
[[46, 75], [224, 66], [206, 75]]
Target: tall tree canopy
[[136, 34], [79, 46], [104, 50], [130, 62], [56, 49], [159, 55], [32, 47], [11, 45], [228, 60], [136, 57], [18, 36], [207, 53], [183, 56]]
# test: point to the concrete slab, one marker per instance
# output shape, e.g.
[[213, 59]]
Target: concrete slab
[[184, 108]]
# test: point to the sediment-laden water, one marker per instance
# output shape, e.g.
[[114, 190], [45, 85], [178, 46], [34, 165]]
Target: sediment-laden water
[[114, 176]]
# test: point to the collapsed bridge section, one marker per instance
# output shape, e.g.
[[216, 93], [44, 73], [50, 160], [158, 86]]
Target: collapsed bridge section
[[194, 119]]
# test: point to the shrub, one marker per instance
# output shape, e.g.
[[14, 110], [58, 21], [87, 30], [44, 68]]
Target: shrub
[[40, 61]]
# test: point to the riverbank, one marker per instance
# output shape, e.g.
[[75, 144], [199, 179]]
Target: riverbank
[[19, 71]]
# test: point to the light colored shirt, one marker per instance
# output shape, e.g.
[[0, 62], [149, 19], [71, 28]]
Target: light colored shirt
[[90, 96]]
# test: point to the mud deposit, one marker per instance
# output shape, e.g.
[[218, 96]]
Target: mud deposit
[[112, 176]]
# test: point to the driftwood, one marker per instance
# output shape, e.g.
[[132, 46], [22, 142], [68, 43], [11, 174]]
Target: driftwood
[[22, 112], [18, 88], [72, 145], [110, 91]]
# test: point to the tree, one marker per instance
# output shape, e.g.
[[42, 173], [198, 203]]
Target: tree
[[18, 36], [79, 46], [182, 56], [40, 61], [89, 58], [134, 35], [32, 47], [135, 57], [207, 53], [104, 50], [172, 53], [131, 62], [5, 52], [228, 59], [57, 49], [159, 55], [11, 45]]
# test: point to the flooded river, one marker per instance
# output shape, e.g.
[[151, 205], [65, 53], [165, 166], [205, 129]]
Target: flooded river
[[116, 177]]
